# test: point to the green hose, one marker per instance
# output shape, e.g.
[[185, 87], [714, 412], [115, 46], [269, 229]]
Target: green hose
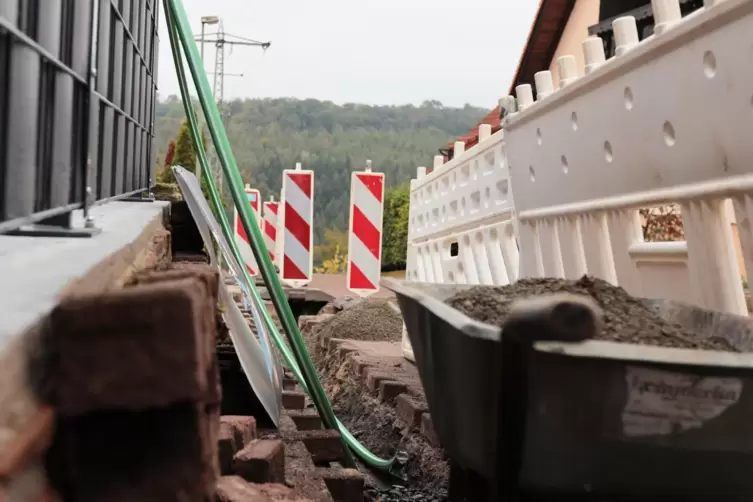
[[299, 362]]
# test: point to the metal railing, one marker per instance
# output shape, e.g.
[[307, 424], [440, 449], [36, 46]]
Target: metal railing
[[77, 91]]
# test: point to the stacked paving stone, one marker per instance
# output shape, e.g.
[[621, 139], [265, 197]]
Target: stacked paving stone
[[133, 378], [301, 453], [134, 382], [388, 376]]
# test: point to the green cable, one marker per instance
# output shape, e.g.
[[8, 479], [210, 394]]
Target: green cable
[[175, 15], [362, 452]]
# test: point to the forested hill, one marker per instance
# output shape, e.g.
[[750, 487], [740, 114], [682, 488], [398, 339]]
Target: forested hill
[[270, 135]]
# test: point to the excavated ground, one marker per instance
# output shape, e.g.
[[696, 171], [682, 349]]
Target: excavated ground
[[375, 328]]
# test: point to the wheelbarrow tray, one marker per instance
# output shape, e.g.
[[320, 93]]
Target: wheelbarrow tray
[[597, 419]]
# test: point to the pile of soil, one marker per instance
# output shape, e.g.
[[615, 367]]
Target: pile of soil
[[369, 320], [626, 318]]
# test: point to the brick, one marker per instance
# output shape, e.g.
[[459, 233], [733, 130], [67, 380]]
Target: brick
[[289, 383], [261, 461], [123, 456], [309, 322], [409, 410], [323, 445], [292, 400], [374, 376], [304, 320], [427, 430], [227, 447], [305, 420], [334, 344], [344, 350], [345, 485], [243, 427], [390, 389], [236, 489], [360, 366], [205, 273], [209, 278], [137, 348]]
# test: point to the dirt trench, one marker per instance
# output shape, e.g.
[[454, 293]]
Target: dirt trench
[[375, 424]]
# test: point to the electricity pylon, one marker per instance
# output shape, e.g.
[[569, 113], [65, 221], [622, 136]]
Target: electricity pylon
[[220, 40]]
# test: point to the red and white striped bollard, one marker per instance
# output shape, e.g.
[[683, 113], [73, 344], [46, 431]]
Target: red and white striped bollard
[[241, 239], [296, 262], [365, 233]]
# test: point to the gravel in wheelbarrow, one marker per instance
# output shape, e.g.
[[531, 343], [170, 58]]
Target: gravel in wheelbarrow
[[574, 389]]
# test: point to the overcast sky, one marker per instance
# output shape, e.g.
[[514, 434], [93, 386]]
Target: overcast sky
[[366, 51]]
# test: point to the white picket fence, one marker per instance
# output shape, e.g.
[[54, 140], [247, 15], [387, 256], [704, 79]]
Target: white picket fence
[[668, 120]]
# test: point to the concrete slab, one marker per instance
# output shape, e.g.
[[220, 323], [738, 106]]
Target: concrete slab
[[35, 270]]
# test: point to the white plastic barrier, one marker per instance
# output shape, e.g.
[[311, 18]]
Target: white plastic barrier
[[461, 227], [668, 120]]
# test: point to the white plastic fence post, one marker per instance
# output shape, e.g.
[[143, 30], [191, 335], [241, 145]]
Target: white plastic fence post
[[525, 96], [568, 70], [593, 53], [544, 84], [625, 34], [484, 132], [666, 14], [459, 149]]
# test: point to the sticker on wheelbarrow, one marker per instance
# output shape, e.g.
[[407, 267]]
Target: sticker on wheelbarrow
[[663, 402]]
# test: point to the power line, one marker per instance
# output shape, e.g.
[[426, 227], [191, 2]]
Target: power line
[[220, 40]]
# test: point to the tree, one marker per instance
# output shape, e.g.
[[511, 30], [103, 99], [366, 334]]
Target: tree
[[185, 155], [662, 224], [334, 265], [334, 241], [270, 135], [170, 155], [395, 227]]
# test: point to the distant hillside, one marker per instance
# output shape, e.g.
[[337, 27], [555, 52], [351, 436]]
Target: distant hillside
[[270, 135]]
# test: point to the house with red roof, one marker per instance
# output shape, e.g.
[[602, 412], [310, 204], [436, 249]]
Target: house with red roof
[[558, 29]]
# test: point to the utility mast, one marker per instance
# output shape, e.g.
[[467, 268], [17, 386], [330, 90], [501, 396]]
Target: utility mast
[[220, 40]]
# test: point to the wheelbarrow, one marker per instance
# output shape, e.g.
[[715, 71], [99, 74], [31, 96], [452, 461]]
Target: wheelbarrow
[[536, 410]]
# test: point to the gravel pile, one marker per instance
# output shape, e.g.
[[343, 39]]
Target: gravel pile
[[626, 318], [371, 320]]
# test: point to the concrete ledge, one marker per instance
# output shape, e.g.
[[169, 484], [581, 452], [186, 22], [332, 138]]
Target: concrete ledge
[[38, 271]]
